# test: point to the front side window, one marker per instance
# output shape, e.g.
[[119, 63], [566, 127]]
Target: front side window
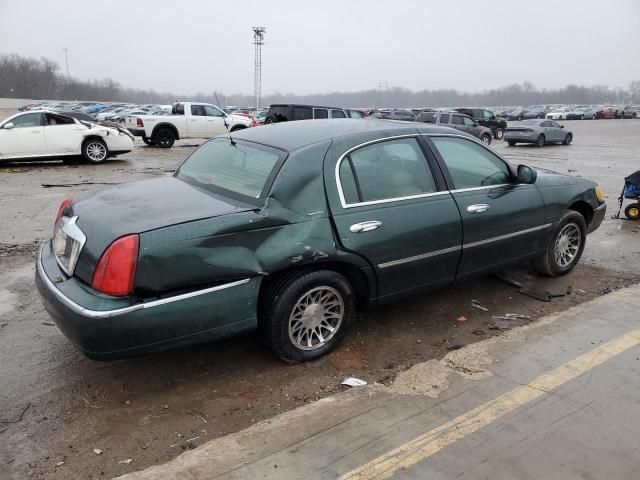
[[212, 111], [470, 164], [468, 122], [356, 114], [487, 114], [321, 113], [27, 120], [389, 169], [444, 118], [457, 120], [53, 119], [241, 169], [301, 113], [554, 124], [337, 114]]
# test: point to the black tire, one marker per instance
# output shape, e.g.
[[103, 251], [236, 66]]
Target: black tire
[[540, 140], [148, 141], [567, 140], [520, 118], [269, 120], [548, 264], [94, 150], [485, 138], [499, 133], [235, 128], [632, 212], [581, 117], [164, 138], [277, 306], [511, 143]]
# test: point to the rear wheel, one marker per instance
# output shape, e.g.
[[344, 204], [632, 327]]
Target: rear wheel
[[540, 140], [499, 133], [304, 315], [164, 138], [565, 248], [95, 150], [567, 139], [632, 212], [486, 138]]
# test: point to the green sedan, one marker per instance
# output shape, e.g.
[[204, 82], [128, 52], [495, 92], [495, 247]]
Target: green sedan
[[291, 227]]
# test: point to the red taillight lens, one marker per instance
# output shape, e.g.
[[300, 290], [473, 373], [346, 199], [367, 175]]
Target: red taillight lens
[[139, 122], [253, 122], [117, 267], [63, 206]]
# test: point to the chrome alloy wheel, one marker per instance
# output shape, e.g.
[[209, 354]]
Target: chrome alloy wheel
[[96, 151], [316, 318], [567, 245]]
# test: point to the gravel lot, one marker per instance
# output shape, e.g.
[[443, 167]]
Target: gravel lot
[[56, 406]]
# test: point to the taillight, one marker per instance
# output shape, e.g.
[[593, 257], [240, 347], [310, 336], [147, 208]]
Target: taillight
[[139, 122], [63, 206], [253, 122], [117, 267]]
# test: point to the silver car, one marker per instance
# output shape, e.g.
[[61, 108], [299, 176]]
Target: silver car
[[538, 132]]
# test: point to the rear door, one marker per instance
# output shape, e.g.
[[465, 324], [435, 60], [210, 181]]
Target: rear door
[[389, 205], [25, 139], [502, 220], [197, 123]]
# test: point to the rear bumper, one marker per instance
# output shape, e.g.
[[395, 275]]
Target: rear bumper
[[137, 132], [512, 137], [109, 328], [598, 216]]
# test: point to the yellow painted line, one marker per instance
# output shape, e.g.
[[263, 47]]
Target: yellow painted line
[[430, 443]]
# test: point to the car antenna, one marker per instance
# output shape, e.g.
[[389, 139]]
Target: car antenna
[[224, 119]]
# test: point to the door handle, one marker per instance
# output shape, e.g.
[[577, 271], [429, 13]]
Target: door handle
[[35, 131], [365, 226], [479, 208]]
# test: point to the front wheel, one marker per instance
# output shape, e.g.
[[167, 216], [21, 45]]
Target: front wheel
[[304, 315], [486, 138], [95, 150], [565, 248], [499, 133], [567, 139], [540, 141]]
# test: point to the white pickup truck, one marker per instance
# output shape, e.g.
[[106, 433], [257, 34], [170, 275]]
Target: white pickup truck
[[187, 120]]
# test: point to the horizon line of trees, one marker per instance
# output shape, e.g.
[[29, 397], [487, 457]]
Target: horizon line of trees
[[41, 79]]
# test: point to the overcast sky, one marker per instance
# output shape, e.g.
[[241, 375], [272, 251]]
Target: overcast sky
[[331, 45]]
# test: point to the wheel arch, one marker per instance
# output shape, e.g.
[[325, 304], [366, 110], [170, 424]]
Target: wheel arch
[[237, 127], [170, 126], [584, 209]]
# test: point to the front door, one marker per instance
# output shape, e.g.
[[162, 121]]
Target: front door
[[215, 121], [502, 220], [390, 209], [25, 139], [62, 134]]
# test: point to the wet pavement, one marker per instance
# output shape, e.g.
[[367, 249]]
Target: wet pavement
[[57, 406]]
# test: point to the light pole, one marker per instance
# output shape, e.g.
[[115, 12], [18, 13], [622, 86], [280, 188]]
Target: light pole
[[66, 61], [258, 41]]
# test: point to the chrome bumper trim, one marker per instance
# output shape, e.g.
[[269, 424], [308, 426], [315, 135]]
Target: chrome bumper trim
[[120, 311]]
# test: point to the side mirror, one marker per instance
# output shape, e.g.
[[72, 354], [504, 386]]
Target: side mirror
[[526, 174], [8, 126], [561, 126]]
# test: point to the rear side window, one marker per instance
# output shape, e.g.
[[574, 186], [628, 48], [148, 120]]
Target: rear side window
[[337, 114], [178, 109], [444, 118], [348, 182], [470, 164], [389, 169], [321, 113], [301, 113]]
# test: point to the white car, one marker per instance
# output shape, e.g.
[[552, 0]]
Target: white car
[[41, 134], [560, 114]]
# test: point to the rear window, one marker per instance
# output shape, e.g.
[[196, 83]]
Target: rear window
[[244, 170]]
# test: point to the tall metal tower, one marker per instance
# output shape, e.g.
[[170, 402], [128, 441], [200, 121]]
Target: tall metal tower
[[258, 41]]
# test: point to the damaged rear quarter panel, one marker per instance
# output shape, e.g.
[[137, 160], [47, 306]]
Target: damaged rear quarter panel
[[293, 228]]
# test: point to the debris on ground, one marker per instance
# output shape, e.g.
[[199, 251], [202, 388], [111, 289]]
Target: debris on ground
[[59, 464], [478, 305], [461, 319], [478, 332], [97, 451], [353, 382], [50, 324], [126, 461], [512, 316], [20, 416]]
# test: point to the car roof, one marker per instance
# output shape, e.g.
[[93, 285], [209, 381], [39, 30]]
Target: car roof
[[297, 134], [302, 105]]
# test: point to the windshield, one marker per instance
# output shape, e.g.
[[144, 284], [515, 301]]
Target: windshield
[[242, 170]]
